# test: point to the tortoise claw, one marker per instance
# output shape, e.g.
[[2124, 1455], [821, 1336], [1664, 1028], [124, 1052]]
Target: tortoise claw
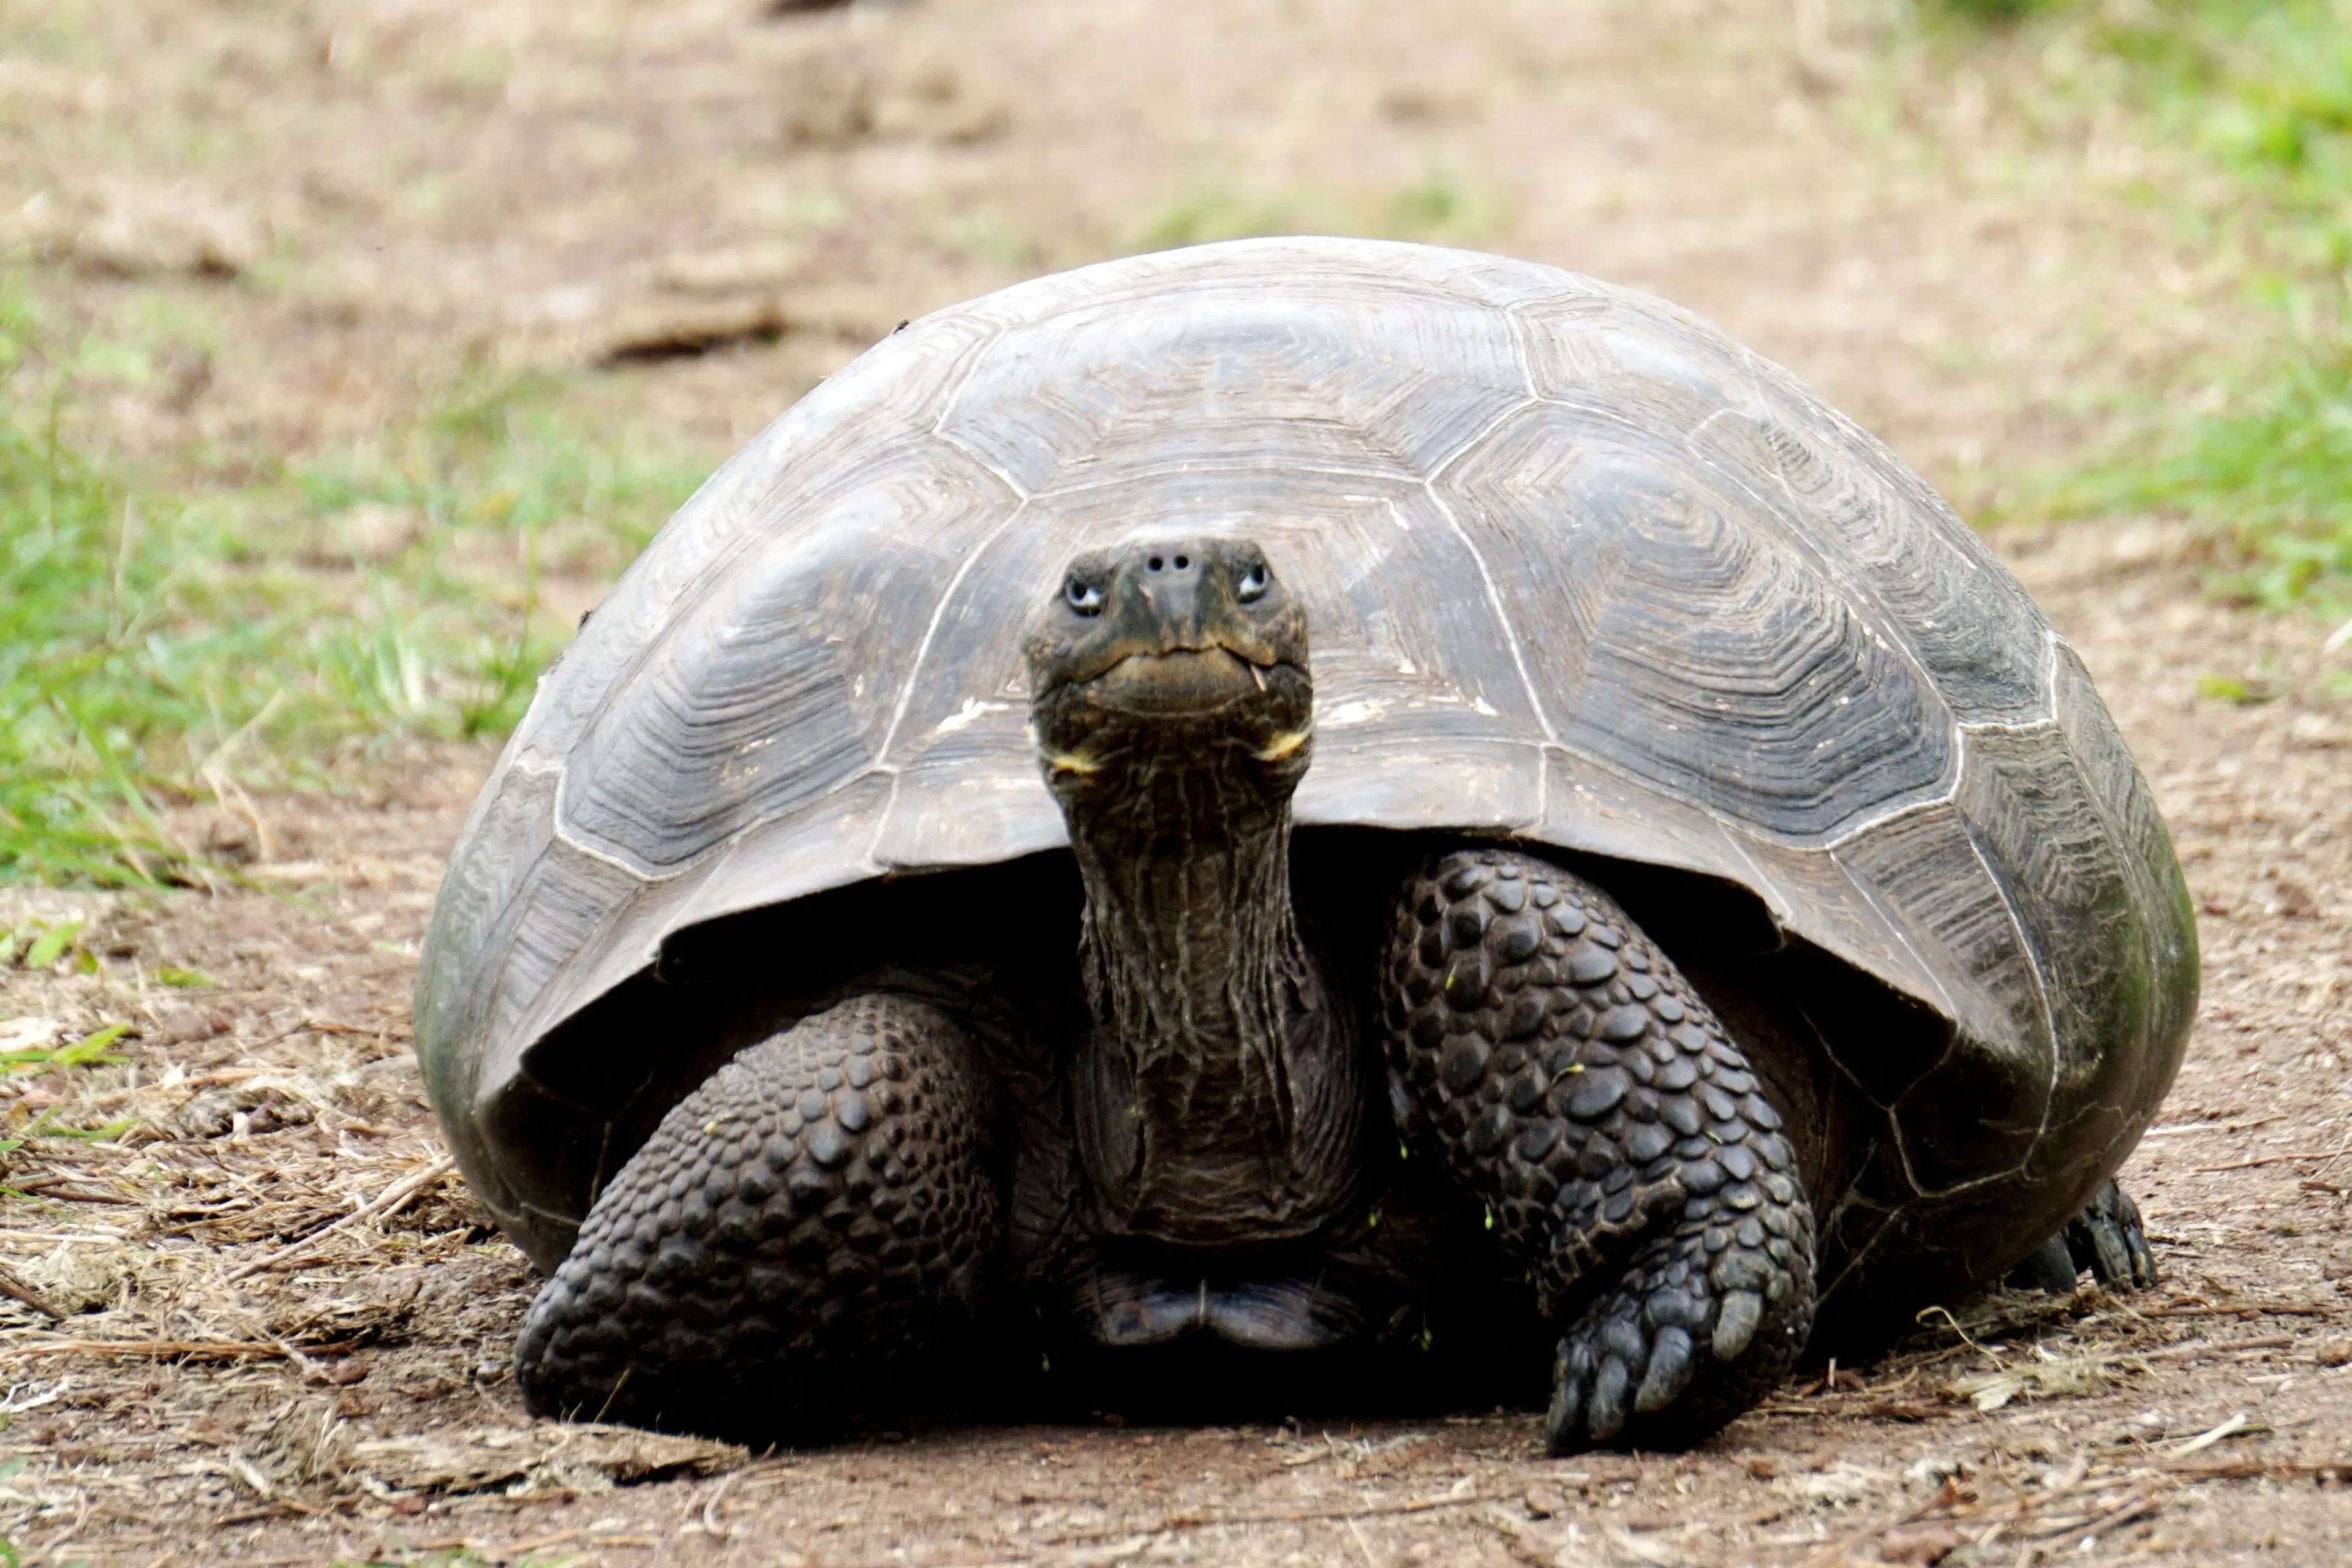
[[1629, 1374], [2109, 1239]]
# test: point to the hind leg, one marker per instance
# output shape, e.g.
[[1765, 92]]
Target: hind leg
[[2107, 1238], [793, 1238], [1576, 1083]]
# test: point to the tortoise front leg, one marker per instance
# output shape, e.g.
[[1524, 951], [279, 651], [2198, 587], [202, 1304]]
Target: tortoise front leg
[[794, 1236], [1574, 1081]]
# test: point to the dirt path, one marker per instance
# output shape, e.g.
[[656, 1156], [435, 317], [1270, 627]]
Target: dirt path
[[333, 202], [281, 1332]]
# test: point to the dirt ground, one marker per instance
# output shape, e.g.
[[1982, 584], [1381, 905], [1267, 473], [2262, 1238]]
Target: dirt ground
[[253, 1319]]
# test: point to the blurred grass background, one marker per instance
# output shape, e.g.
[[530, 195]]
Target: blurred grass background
[[176, 635], [2255, 445], [166, 639]]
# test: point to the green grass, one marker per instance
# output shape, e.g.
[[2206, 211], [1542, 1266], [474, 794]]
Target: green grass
[[2261, 91], [2272, 471], [92, 1051], [39, 945], [1216, 213], [165, 645], [994, 240], [1437, 208], [499, 488]]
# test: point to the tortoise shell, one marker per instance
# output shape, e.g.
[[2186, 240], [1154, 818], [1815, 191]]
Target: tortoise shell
[[1579, 572]]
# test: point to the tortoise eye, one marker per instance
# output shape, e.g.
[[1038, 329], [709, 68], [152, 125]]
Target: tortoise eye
[[1252, 585], [1083, 597]]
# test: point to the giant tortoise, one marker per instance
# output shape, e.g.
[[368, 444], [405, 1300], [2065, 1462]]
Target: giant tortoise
[[1242, 801]]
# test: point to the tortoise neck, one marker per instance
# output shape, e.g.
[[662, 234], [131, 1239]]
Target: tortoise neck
[[1218, 1094]]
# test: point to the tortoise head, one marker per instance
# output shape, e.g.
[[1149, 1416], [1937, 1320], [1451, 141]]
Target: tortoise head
[[1164, 656]]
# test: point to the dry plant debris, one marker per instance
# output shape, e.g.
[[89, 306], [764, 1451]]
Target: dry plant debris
[[246, 1318]]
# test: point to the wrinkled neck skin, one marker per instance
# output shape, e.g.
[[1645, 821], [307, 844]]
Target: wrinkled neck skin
[[1218, 1096]]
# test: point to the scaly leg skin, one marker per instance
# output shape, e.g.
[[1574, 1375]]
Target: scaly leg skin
[[2049, 1268], [795, 1235], [1574, 1081]]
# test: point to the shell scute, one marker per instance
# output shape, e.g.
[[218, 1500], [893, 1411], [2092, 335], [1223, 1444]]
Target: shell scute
[[1232, 374], [514, 822], [1673, 628], [2046, 836], [783, 682], [1891, 536], [902, 381]]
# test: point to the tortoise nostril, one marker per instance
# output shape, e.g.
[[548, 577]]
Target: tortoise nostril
[[1182, 561], [1154, 563]]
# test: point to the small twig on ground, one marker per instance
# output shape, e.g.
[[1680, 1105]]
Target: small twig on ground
[[2204, 1440], [2276, 1159], [15, 1289], [1851, 1546], [305, 1025], [2273, 1470], [2239, 1309], [152, 1350], [2139, 1502], [710, 1525], [1172, 1523], [2224, 1347], [389, 1202], [275, 1508], [478, 1548], [61, 1189]]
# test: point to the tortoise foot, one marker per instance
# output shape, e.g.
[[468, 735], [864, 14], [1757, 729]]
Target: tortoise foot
[[1625, 1149], [794, 1238], [1685, 1340], [2108, 1239], [2049, 1268]]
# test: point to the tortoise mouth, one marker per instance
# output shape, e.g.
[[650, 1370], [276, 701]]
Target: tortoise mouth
[[1185, 682]]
